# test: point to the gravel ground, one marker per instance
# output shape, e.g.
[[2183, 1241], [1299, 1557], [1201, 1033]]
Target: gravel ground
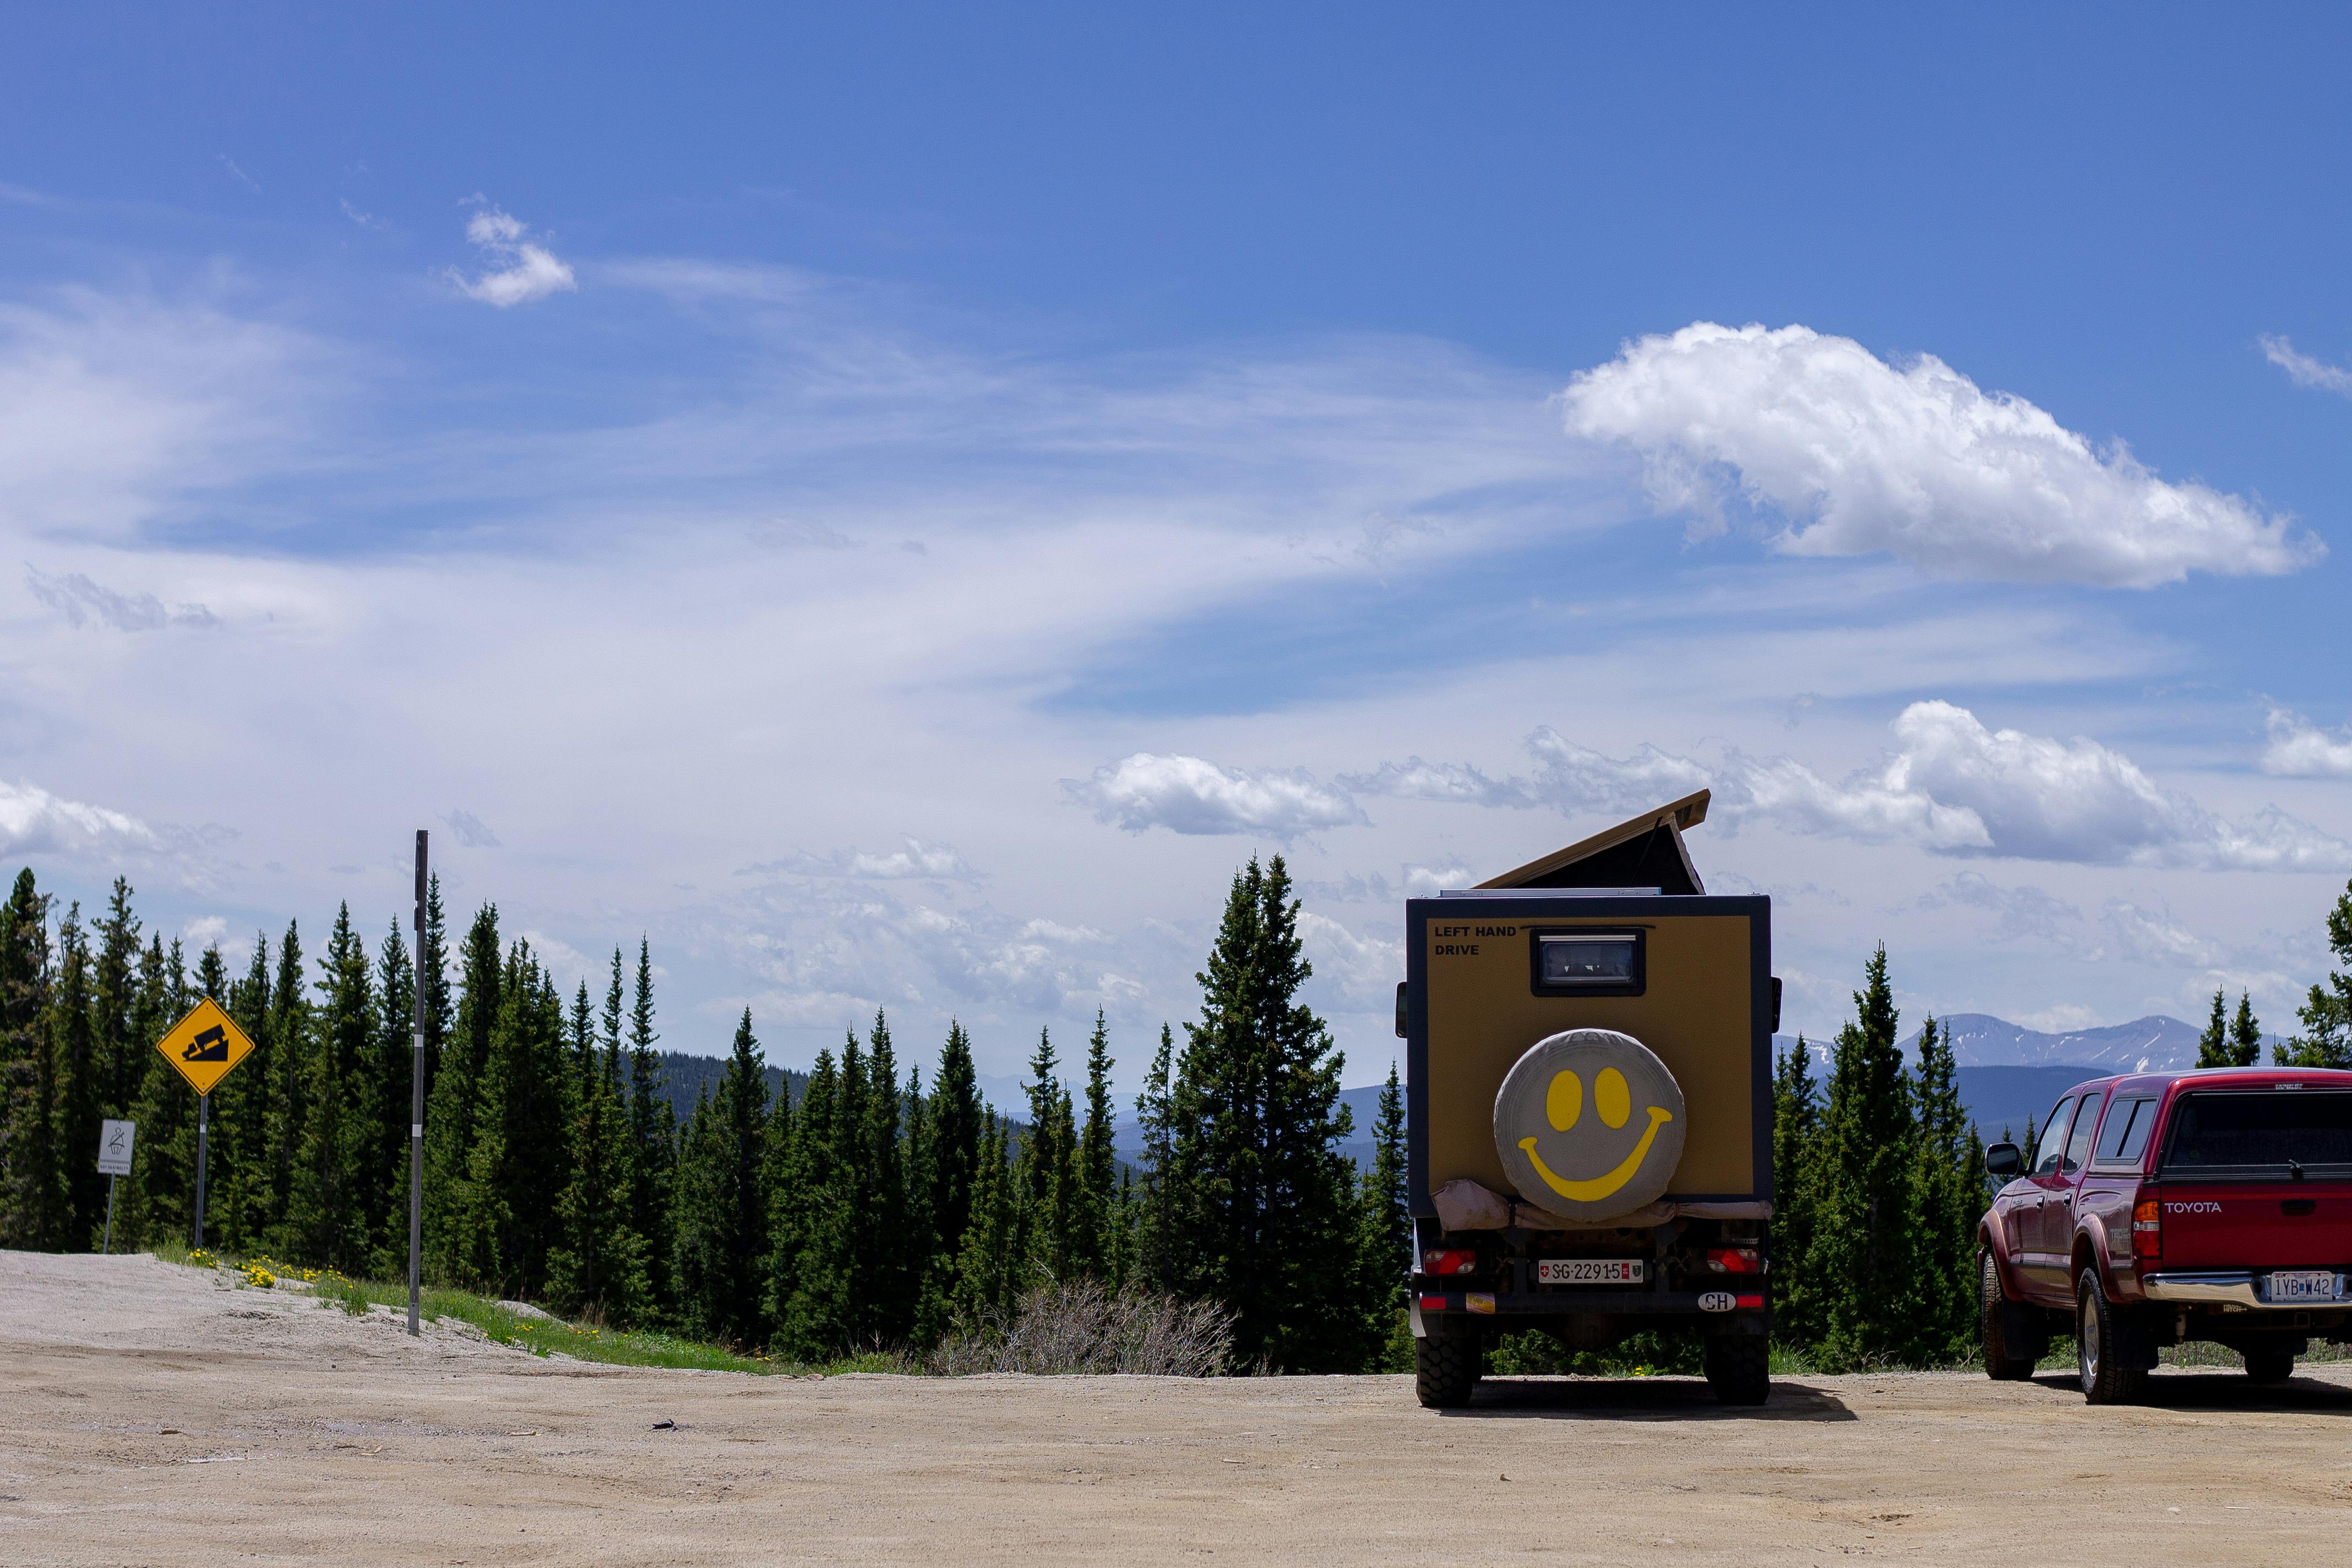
[[151, 1415]]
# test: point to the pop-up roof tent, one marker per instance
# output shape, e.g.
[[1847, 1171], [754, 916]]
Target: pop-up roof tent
[[1645, 851]]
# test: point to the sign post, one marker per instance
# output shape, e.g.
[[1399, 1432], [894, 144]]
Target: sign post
[[113, 1162], [202, 1047], [416, 1104]]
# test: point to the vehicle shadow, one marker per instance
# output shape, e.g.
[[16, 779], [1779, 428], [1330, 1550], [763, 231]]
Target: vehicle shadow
[[2226, 1389], [1640, 1399]]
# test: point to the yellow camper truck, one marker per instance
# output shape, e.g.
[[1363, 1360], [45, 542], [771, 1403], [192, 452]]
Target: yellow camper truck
[[1589, 1045]]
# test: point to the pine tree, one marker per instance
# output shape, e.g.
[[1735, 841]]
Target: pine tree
[[886, 1297], [1799, 1309], [988, 1267], [114, 988], [34, 1202], [1946, 1204], [1862, 1247], [450, 1251], [1264, 1206], [599, 1261], [2326, 1015], [74, 1048], [951, 1160], [158, 1197], [652, 1141], [1152, 1211], [1384, 1246], [1046, 1202], [522, 1110], [391, 1075], [808, 1255], [722, 1210], [280, 1060], [2213, 1045], [1092, 1245], [2245, 1035], [236, 1209], [335, 1172]]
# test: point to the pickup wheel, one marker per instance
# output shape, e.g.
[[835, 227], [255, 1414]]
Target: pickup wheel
[[2105, 1380], [1999, 1364], [2268, 1366], [1739, 1368], [1445, 1369]]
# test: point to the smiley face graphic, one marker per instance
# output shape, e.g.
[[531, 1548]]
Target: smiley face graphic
[[1589, 1124]]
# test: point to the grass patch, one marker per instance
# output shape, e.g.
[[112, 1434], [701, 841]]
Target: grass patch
[[503, 1325]]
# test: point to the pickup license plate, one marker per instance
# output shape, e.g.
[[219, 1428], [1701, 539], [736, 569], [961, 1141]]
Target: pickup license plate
[[1589, 1271], [2303, 1285]]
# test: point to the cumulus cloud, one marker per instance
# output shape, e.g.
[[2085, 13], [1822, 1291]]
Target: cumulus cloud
[[82, 602], [34, 822], [2305, 371], [1952, 787], [1189, 794], [1859, 458], [2299, 749], [524, 270]]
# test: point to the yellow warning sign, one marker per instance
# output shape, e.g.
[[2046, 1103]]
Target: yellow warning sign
[[204, 1044]]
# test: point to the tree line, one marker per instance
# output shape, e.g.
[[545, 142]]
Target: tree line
[[872, 1208]]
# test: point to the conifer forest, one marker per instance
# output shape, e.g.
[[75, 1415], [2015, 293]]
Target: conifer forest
[[885, 1203]]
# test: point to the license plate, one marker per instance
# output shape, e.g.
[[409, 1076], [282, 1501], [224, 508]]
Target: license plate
[[2303, 1285], [1589, 1271]]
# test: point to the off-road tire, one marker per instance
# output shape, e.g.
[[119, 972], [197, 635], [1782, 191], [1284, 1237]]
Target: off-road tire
[[2105, 1381], [1739, 1369], [1445, 1370], [2268, 1366], [1999, 1364]]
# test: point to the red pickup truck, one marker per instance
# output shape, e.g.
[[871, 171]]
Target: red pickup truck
[[2159, 1208]]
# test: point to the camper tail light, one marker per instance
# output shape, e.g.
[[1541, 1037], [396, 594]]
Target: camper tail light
[[1449, 1260], [1734, 1260]]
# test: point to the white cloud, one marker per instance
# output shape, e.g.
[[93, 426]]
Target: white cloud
[[2303, 370], [1359, 973], [1457, 783], [1952, 787], [938, 861], [34, 822], [82, 601], [1188, 795], [529, 272], [1860, 458], [364, 219], [2299, 749]]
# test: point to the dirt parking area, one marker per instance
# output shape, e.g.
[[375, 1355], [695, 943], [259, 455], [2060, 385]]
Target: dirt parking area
[[151, 1414]]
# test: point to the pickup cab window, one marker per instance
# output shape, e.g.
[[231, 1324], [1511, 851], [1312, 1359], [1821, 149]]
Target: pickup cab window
[[2078, 1147], [2276, 1127], [2052, 1146], [2124, 1135]]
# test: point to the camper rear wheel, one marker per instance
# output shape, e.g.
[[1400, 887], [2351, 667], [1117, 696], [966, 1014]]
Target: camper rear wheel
[[1445, 1368], [1739, 1368]]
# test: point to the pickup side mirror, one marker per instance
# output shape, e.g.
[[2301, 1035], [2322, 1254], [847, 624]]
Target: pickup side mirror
[[2004, 1160]]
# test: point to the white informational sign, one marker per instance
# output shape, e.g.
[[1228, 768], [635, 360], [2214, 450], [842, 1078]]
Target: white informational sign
[[115, 1149]]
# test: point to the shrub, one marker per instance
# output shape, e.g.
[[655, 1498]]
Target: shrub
[[1083, 1328]]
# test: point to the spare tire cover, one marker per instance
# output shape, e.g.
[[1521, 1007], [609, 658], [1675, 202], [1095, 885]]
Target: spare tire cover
[[1589, 1124]]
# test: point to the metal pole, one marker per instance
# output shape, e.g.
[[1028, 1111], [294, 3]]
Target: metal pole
[[416, 1106], [107, 1247], [203, 1122]]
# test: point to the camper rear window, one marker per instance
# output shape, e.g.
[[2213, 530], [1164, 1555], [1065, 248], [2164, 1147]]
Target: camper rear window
[[2280, 1128], [1589, 962]]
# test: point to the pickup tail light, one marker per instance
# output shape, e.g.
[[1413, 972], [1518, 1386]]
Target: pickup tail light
[[1735, 1260], [2147, 1231], [1449, 1260]]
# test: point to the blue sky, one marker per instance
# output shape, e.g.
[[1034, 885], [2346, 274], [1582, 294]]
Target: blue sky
[[897, 506]]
